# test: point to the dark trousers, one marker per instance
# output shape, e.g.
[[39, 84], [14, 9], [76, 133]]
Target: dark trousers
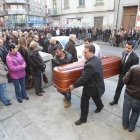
[[107, 38], [119, 88], [85, 101], [37, 83]]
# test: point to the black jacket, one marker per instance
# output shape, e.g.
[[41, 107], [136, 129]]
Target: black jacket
[[46, 45], [25, 56], [51, 49], [133, 59], [92, 76], [53, 32], [70, 48], [57, 61], [36, 62], [108, 32]]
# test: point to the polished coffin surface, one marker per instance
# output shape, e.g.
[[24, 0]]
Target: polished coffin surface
[[65, 75]]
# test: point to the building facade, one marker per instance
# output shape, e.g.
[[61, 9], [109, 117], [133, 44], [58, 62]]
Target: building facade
[[128, 14], [23, 13], [94, 13]]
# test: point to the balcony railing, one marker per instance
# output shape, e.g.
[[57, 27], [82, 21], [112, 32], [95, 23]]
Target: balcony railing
[[17, 11], [15, 1]]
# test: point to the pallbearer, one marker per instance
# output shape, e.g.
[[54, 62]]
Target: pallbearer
[[63, 57], [92, 81]]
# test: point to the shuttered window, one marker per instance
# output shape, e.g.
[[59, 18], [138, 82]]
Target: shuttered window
[[66, 3]]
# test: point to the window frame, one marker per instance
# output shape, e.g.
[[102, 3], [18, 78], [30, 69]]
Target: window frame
[[67, 6], [82, 1], [99, 2]]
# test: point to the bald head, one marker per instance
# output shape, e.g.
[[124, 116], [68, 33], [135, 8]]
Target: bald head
[[36, 38], [15, 33], [53, 40]]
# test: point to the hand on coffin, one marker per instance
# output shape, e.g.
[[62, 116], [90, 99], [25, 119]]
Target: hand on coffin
[[71, 87]]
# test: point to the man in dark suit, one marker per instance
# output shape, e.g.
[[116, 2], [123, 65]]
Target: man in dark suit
[[129, 58], [92, 81]]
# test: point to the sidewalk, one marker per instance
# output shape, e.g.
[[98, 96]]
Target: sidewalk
[[45, 118]]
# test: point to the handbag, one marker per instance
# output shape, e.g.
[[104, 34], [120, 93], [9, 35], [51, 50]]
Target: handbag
[[29, 81], [45, 79]]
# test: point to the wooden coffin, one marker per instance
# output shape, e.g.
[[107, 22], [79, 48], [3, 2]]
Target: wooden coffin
[[65, 75]]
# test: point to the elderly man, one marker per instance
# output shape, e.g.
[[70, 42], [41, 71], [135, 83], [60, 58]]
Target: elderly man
[[15, 37], [36, 38], [97, 48], [51, 47], [70, 47]]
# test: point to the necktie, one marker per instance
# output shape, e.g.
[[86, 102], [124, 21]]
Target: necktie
[[125, 58]]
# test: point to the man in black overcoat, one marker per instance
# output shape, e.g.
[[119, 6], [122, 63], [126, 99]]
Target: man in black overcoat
[[92, 82], [129, 58]]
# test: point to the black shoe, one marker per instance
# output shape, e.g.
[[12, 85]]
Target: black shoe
[[8, 100], [27, 98], [79, 122], [98, 110], [8, 104], [124, 128], [113, 103], [20, 101]]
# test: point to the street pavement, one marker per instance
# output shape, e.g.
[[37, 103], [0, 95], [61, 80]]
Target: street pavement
[[45, 118]]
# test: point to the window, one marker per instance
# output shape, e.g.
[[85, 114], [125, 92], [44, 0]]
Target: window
[[99, 1], [66, 3], [40, 10], [1, 8], [43, 3], [16, 7], [38, 1], [43, 11], [32, 8], [1, 19], [81, 2], [36, 9]]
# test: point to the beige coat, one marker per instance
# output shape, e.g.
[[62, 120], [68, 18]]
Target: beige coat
[[3, 69]]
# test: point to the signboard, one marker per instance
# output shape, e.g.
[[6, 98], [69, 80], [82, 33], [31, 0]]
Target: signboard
[[74, 22]]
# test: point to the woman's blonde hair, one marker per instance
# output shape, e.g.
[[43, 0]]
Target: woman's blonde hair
[[22, 44]]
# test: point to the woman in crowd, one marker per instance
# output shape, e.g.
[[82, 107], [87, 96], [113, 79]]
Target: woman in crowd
[[24, 52], [118, 39], [112, 37], [17, 65], [41, 40], [28, 41], [3, 79], [37, 67], [7, 42]]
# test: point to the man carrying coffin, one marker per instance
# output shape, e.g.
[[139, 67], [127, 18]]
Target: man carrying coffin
[[62, 57], [92, 82]]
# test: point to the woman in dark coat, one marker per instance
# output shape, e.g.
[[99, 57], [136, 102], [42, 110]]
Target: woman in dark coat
[[41, 40], [37, 67], [7, 42]]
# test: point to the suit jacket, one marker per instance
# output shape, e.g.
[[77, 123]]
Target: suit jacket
[[92, 76], [133, 59]]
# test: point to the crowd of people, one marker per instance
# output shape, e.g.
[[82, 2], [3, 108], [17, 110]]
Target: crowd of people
[[115, 37], [20, 59]]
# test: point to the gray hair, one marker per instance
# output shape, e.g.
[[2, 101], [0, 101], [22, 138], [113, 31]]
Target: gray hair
[[71, 36]]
